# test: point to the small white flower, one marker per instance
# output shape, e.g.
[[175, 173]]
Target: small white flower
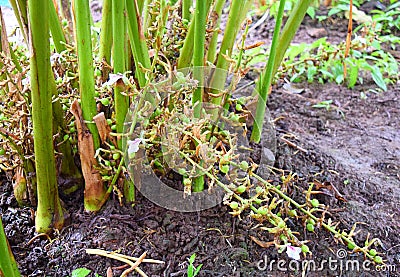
[[133, 147], [293, 252], [113, 78]]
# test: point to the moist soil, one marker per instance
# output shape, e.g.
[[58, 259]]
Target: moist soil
[[353, 148]]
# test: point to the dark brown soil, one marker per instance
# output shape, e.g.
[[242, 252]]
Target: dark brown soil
[[354, 146]]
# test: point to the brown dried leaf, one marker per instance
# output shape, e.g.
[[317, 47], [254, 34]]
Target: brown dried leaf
[[104, 129], [93, 182], [329, 186]]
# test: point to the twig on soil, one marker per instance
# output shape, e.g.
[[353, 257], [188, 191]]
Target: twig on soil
[[105, 253], [116, 256], [126, 259], [38, 236], [135, 265], [293, 145]]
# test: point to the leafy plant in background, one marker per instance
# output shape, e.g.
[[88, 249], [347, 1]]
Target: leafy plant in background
[[323, 61], [371, 52], [136, 48], [389, 19]]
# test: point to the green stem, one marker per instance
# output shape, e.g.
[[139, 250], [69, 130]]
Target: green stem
[[146, 16], [118, 56], [8, 266], [56, 29], [289, 30], [232, 28], [49, 211], [186, 5], [121, 101], [242, 46], [20, 11], [141, 4], [198, 61], [265, 80], [86, 70], [212, 48], [198, 56], [106, 32], [278, 49], [185, 57], [138, 42]]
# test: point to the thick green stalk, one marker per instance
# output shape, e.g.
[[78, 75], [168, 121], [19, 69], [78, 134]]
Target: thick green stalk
[[146, 16], [186, 54], [212, 48], [199, 51], [185, 57], [138, 42], [278, 48], [118, 56], [186, 5], [265, 80], [238, 7], [121, 101], [289, 30], [8, 266], [68, 167], [49, 211], [85, 63], [106, 32], [198, 61], [141, 4], [56, 29]]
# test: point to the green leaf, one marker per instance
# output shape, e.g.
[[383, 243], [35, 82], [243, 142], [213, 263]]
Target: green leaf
[[311, 12], [378, 78], [323, 104], [311, 72], [192, 258], [197, 270], [353, 74], [190, 271], [326, 73], [338, 9], [80, 272]]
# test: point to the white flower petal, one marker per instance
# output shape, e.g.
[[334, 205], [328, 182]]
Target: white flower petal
[[293, 252], [133, 146], [113, 78]]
